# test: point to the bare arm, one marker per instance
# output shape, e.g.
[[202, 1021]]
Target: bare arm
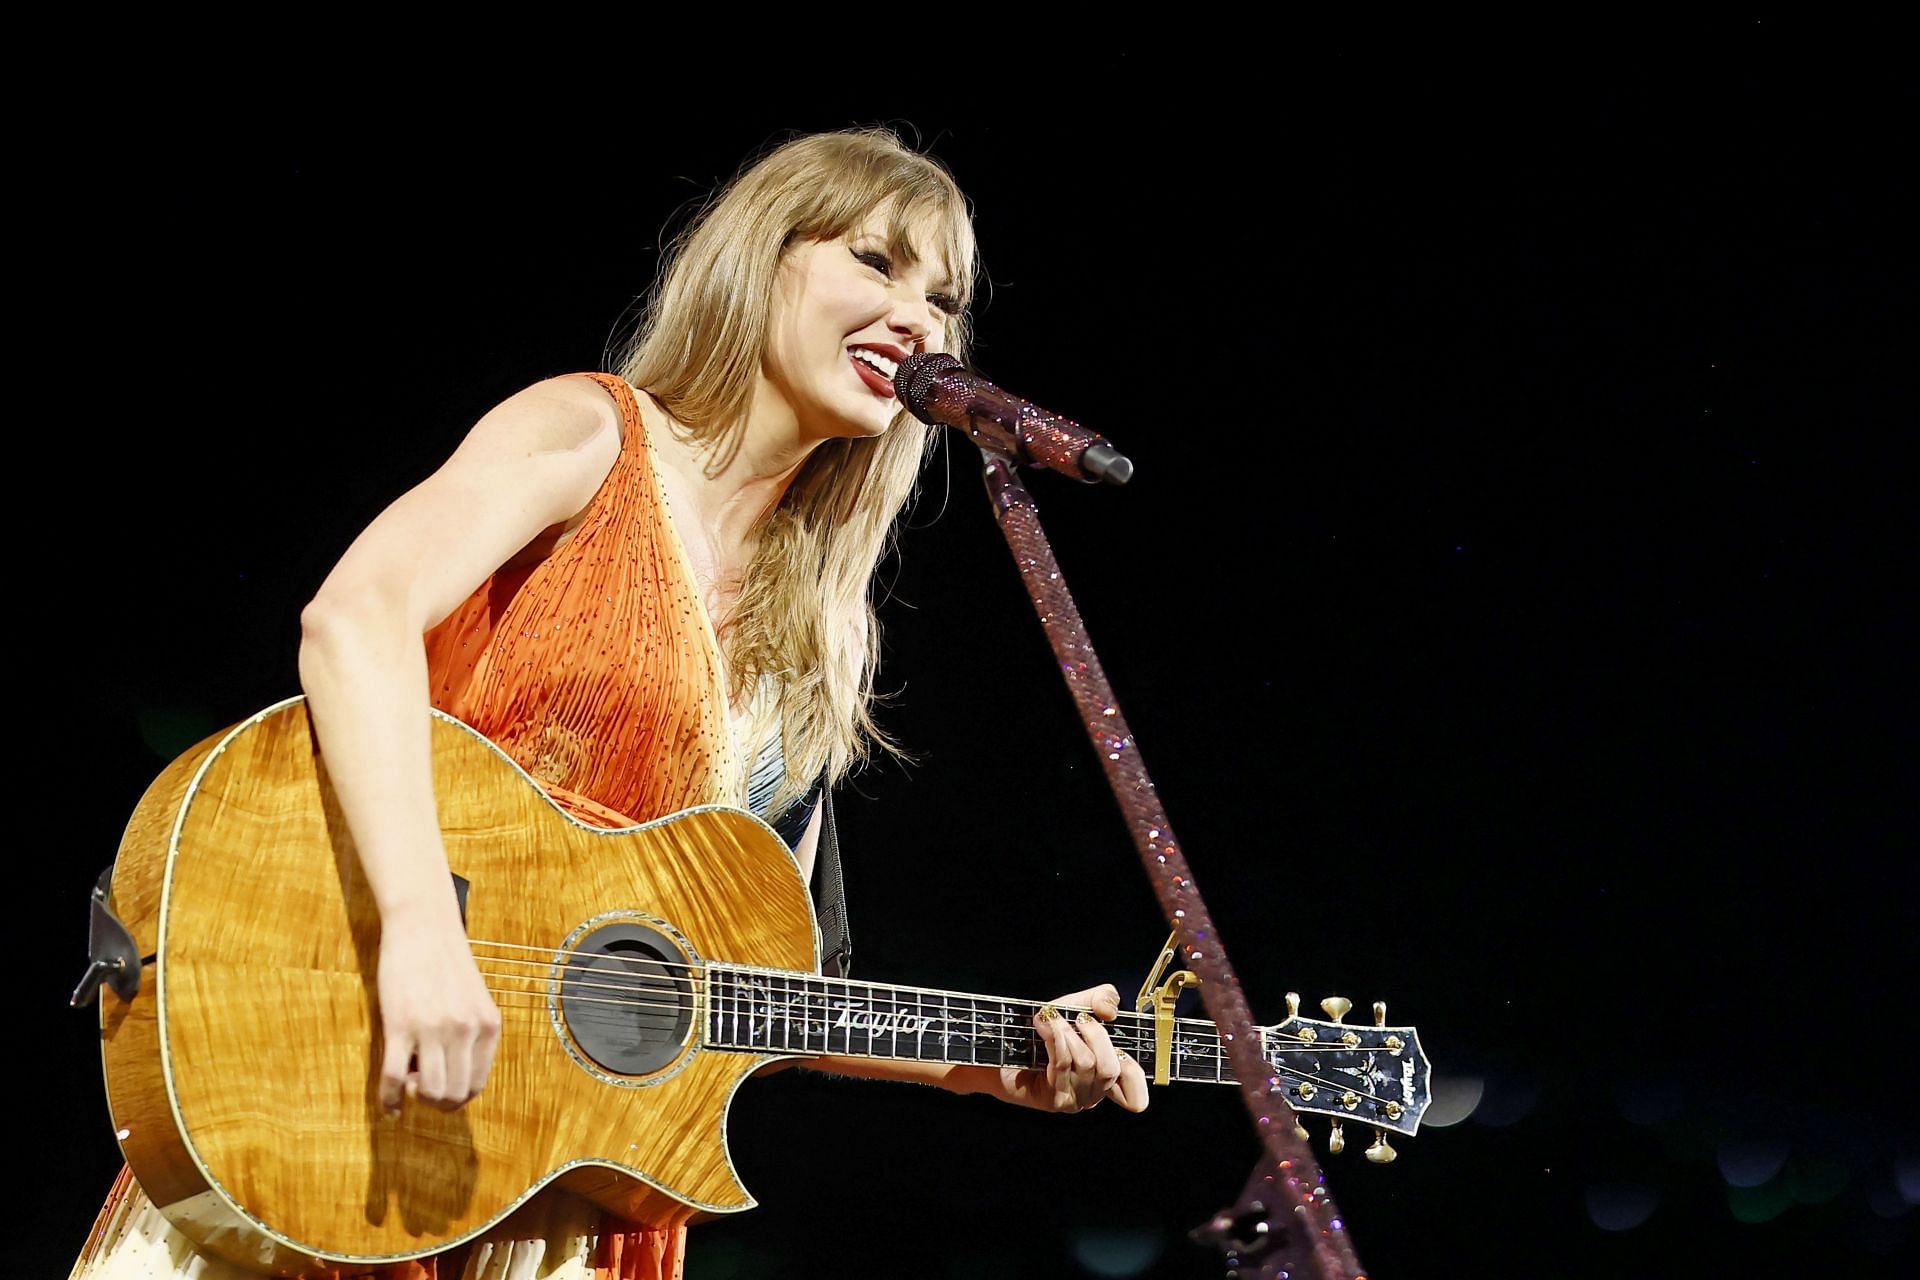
[[524, 472]]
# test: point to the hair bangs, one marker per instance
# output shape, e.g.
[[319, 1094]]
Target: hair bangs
[[942, 218], [927, 215]]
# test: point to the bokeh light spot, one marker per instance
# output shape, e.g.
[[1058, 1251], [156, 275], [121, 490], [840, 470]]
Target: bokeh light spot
[[1117, 1251], [1454, 1099], [1507, 1100], [1758, 1204], [1619, 1207], [1906, 1176], [1750, 1163]]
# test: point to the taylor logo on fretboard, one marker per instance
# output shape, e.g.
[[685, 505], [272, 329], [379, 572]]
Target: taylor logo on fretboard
[[641, 976], [854, 1016]]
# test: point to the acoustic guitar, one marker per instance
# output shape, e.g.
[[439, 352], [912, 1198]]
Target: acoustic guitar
[[641, 975]]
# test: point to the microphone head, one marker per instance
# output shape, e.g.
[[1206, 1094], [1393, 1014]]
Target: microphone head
[[916, 380]]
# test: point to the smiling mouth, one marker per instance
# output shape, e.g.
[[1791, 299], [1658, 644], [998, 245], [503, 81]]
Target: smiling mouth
[[870, 366]]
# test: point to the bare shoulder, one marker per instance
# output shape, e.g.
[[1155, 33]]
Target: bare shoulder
[[515, 485], [568, 414]]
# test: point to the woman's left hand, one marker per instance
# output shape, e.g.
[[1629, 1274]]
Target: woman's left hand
[[1082, 1065]]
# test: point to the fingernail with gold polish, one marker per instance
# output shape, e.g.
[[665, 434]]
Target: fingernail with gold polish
[[1086, 1019], [1049, 1014]]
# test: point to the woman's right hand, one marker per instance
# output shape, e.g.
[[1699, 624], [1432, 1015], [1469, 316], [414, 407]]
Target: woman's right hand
[[524, 475], [439, 1026]]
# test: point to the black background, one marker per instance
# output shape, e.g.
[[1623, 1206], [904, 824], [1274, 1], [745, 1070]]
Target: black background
[[1509, 602]]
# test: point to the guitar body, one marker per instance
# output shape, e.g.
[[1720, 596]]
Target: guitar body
[[243, 1076]]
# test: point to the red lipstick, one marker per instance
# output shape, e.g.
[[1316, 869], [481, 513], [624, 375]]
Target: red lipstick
[[876, 382]]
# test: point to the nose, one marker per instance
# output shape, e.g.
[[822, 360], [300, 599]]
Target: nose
[[912, 321]]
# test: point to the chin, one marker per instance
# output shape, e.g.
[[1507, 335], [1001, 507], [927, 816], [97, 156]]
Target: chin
[[840, 415], [869, 424]]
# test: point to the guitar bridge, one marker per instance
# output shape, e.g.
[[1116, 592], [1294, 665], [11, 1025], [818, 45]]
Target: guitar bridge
[[113, 959]]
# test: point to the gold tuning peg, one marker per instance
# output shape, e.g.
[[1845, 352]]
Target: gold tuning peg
[[1336, 1007], [1293, 1004], [1336, 1140], [1380, 1152], [1379, 1013], [1299, 1129]]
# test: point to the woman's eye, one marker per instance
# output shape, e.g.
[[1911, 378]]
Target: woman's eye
[[884, 265]]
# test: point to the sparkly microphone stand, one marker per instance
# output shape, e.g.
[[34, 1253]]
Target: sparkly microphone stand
[[1285, 1224]]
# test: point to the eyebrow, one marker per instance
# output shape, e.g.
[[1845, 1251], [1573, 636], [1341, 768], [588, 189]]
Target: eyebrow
[[943, 285], [902, 246]]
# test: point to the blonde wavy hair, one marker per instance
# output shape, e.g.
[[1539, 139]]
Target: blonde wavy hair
[[804, 629]]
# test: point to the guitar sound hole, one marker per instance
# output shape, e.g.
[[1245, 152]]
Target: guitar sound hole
[[627, 999]]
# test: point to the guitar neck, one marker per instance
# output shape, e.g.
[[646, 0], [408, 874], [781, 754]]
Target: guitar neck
[[752, 1010]]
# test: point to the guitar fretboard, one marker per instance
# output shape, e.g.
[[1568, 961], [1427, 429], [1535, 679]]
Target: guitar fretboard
[[769, 1011]]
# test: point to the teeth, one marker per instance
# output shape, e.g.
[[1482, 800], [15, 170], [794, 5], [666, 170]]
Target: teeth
[[878, 361]]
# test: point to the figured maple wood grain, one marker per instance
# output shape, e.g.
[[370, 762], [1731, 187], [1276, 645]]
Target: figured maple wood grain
[[266, 1038], [129, 1029]]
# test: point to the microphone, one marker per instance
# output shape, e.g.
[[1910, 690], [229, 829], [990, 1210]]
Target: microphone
[[940, 391]]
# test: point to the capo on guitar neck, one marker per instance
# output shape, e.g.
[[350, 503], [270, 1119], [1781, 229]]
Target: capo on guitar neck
[[112, 956], [1161, 999]]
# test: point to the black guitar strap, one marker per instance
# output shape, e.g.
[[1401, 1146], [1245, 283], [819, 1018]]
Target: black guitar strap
[[830, 897], [829, 894]]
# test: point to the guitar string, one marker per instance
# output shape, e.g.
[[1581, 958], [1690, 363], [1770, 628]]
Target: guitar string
[[1205, 1053], [982, 1033], [640, 983], [1033, 1060], [715, 1010], [1127, 1021], [747, 972], [877, 1001], [694, 975], [1210, 1050], [743, 973], [1032, 1043]]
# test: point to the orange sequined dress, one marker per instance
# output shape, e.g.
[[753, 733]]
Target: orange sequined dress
[[598, 670]]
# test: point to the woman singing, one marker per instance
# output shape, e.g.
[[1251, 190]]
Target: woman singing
[[652, 589]]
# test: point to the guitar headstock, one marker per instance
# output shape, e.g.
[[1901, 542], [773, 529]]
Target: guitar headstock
[[1374, 1074]]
